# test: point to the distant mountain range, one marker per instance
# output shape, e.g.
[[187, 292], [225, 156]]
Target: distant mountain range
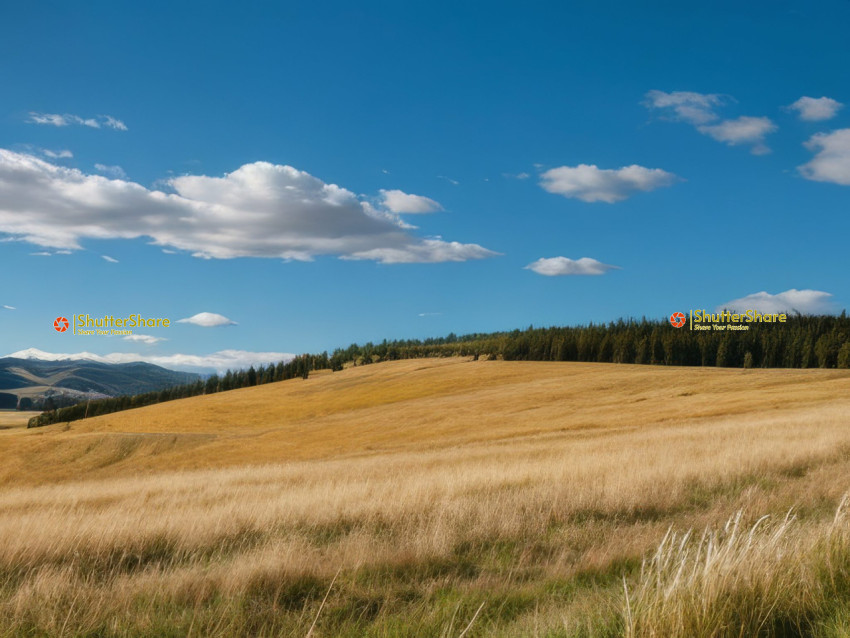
[[34, 354], [40, 376]]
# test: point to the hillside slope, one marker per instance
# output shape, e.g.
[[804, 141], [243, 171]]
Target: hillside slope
[[414, 405], [420, 498], [33, 377]]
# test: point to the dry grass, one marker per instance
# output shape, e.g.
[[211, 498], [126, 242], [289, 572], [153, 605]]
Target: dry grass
[[423, 490], [773, 578], [10, 419], [407, 406]]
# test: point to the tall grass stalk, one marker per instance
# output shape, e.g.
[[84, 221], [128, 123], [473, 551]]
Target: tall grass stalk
[[772, 577]]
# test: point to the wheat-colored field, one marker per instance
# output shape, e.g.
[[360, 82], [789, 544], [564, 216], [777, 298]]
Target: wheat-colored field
[[13, 419], [441, 498]]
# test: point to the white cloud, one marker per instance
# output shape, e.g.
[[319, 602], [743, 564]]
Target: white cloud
[[397, 201], [67, 119], [590, 183], [111, 171], [111, 260], [454, 182], [48, 118], [218, 361], [831, 162], [812, 109], [743, 130], [208, 320], [428, 251], [258, 210], [687, 106], [63, 154], [147, 339], [9, 307], [111, 122], [699, 109], [42, 253], [555, 266], [806, 302]]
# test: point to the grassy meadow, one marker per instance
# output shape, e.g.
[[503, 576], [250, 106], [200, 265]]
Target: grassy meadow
[[444, 498], [10, 419]]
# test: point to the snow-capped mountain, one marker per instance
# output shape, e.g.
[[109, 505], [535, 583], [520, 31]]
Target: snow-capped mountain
[[35, 374], [34, 354]]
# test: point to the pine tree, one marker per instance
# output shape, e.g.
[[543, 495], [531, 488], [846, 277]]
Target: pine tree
[[844, 355]]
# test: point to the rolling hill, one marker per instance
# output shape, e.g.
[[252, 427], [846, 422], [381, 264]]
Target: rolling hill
[[423, 403], [81, 378], [441, 497]]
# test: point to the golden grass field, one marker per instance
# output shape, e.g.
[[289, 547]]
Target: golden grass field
[[441, 497], [10, 419]]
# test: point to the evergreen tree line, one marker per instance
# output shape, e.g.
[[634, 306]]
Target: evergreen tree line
[[812, 341], [821, 341], [300, 366]]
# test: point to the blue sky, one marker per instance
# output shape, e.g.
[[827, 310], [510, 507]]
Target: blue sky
[[648, 154]]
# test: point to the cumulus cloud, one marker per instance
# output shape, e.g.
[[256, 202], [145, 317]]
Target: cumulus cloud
[[700, 110], [111, 260], [686, 106], [220, 361], [743, 130], [111, 171], [812, 109], [208, 320], [67, 119], [556, 266], [397, 201], [589, 183], [805, 302], [146, 339], [831, 162], [258, 210], [428, 251]]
